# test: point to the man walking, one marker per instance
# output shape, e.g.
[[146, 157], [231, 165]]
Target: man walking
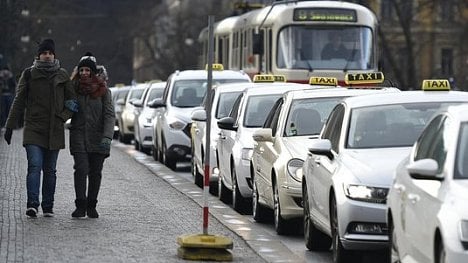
[[47, 99]]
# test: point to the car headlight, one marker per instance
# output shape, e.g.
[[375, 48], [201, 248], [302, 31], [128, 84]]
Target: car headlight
[[247, 154], [294, 167], [366, 193], [176, 124]]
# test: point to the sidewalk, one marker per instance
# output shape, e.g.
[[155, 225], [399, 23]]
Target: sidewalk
[[141, 215]]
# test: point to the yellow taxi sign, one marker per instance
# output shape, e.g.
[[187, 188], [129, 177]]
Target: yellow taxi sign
[[215, 66], [323, 81], [435, 84], [364, 78], [279, 78], [118, 85], [264, 78]]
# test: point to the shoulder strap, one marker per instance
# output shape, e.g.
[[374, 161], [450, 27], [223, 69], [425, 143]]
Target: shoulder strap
[[27, 78]]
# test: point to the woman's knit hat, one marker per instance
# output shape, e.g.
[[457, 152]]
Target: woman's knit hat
[[88, 60]]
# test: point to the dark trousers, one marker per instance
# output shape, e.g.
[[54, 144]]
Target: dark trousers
[[87, 166]]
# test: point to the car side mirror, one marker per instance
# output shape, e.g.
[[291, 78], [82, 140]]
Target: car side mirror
[[321, 147], [137, 103], [424, 169], [156, 103], [120, 102], [263, 135], [199, 115], [227, 123]]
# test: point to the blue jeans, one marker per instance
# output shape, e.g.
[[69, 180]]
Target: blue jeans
[[46, 160]]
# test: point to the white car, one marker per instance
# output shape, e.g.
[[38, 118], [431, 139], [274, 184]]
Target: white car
[[427, 203], [350, 167], [224, 96], [184, 92], [281, 148], [144, 122], [127, 122], [119, 95], [235, 142]]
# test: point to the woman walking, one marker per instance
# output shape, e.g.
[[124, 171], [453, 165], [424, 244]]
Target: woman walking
[[91, 131]]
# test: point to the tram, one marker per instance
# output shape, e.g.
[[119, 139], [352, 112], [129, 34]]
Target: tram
[[297, 39]]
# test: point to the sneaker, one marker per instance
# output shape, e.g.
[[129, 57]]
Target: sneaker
[[31, 212], [48, 212]]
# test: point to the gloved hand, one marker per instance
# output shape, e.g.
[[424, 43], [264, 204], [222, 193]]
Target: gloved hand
[[7, 135], [105, 144], [72, 105]]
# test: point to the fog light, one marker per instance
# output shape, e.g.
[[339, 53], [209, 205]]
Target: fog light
[[368, 228], [216, 170]]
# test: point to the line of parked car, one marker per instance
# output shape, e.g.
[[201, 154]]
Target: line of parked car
[[366, 167]]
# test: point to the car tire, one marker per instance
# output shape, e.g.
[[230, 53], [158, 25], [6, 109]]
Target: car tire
[[441, 254], [223, 192], [239, 203], [393, 255], [155, 153], [315, 239], [339, 253], [197, 177], [167, 160], [137, 146], [259, 212], [281, 225]]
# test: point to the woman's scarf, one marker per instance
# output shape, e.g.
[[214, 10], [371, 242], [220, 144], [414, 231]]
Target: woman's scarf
[[47, 66], [93, 86]]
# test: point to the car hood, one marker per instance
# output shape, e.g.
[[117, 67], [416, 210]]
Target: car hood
[[374, 167], [297, 146], [184, 114]]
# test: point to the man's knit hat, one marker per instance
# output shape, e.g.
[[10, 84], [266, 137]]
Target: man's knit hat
[[46, 45], [88, 60]]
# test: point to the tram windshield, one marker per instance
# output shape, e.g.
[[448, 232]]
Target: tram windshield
[[343, 48]]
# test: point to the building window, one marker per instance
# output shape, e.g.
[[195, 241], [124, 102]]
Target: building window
[[447, 62], [386, 10], [447, 10]]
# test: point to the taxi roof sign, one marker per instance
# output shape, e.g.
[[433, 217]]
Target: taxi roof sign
[[364, 78], [435, 84], [264, 78], [279, 78], [326, 81], [215, 66]]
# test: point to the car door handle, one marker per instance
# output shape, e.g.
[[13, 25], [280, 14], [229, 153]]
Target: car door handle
[[399, 188], [413, 198], [221, 136], [197, 130]]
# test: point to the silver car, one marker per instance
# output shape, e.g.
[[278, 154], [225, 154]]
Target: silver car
[[349, 169], [144, 121], [427, 214]]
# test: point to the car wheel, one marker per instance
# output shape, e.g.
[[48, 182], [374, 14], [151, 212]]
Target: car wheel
[[281, 225], [197, 177], [167, 160], [259, 212], [223, 192], [145, 150], [315, 239], [239, 203], [340, 254], [441, 254], [155, 153], [394, 254], [137, 145]]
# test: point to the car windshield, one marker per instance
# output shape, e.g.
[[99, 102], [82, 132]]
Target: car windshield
[[307, 116], [154, 94], [190, 93], [306, 47], [397, 125], [135, 94], [257, 109], [461, 165], [225, 103]]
